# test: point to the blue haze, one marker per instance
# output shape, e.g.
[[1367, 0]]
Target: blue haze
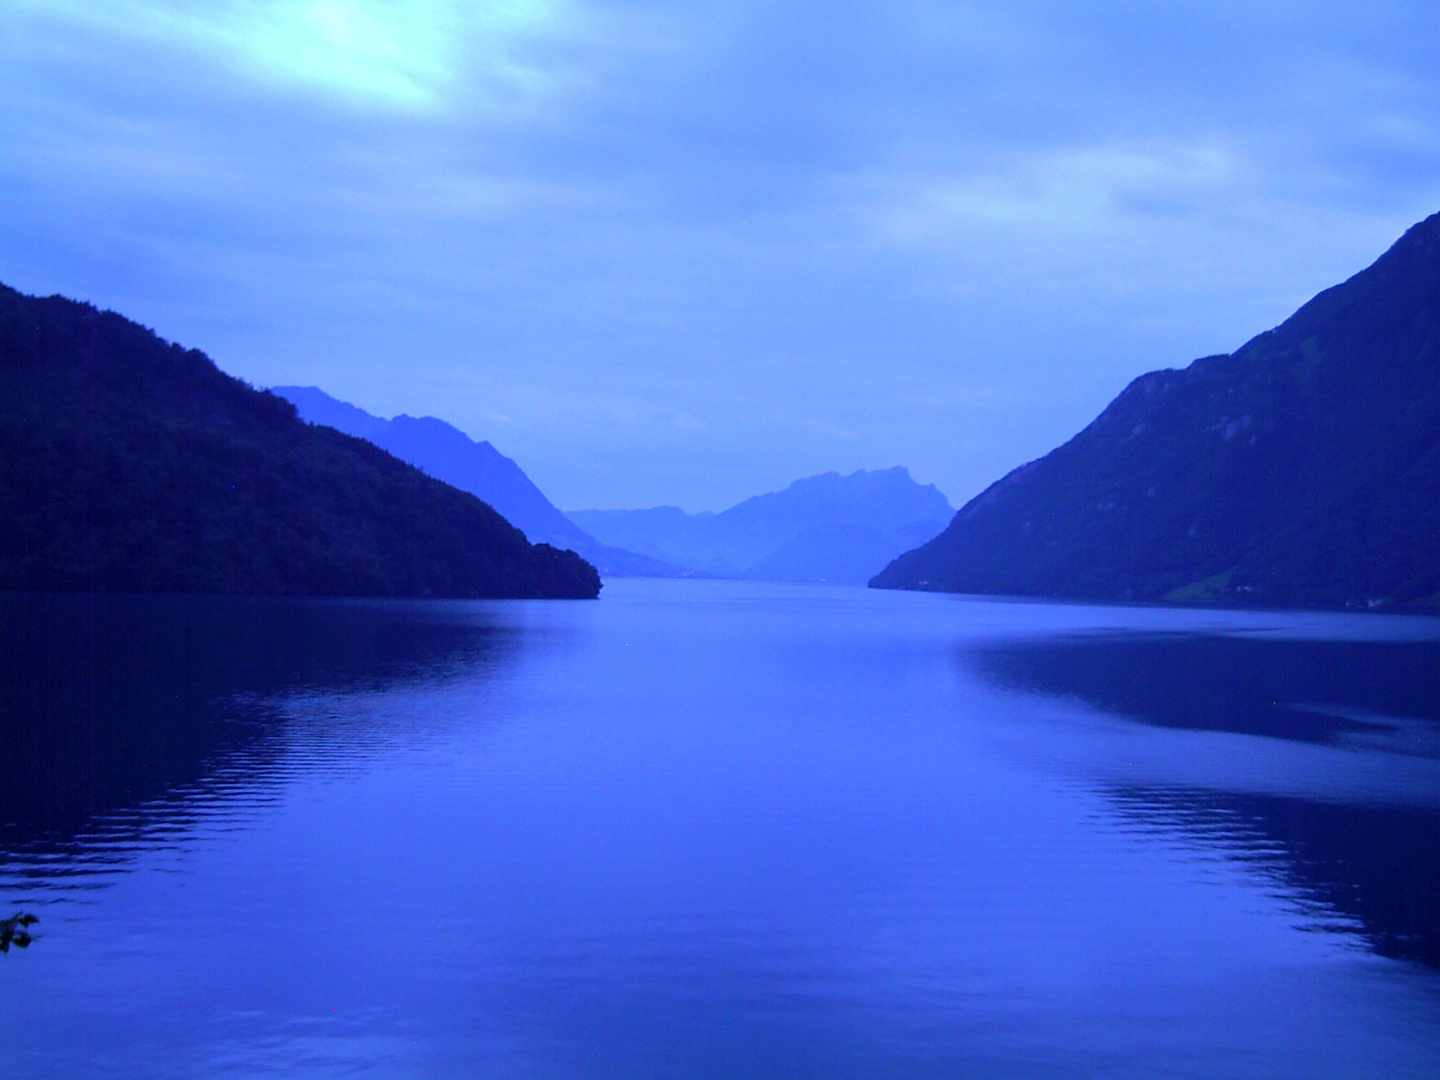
[[680, 253], [826, 528]]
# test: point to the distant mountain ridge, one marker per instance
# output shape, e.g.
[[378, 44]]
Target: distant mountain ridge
[[128, 463], [447, 453], [829, 527], [1303, 469]]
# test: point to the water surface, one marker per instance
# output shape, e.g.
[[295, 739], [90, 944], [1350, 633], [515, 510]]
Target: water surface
[[712, 829]]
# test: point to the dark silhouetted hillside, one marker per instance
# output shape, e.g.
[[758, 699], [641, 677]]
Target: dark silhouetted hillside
[[1303, 469], [131, 464], [824, 528], [447, 453]]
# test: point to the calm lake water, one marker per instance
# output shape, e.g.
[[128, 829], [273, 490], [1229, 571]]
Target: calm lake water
[[711, 829]]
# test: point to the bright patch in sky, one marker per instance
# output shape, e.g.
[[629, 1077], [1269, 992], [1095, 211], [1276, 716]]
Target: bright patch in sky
[[404, 53]]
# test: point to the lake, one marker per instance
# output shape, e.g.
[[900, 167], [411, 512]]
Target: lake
[[717, 829]]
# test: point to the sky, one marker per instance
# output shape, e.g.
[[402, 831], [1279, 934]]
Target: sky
[[687, 252]]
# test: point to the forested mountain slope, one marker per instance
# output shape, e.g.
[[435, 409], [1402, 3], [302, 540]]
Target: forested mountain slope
[[128, 463], [1302, 469]]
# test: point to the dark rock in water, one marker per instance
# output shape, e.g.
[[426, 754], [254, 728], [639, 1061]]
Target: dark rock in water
[[129, 464], [1301, 470]]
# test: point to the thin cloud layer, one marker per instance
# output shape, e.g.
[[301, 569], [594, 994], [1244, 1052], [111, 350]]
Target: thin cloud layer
[[686, 252], [401, 54]]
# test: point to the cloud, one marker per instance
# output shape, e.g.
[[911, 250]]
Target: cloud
[[1071, 191], [399, 54], [690, 249]]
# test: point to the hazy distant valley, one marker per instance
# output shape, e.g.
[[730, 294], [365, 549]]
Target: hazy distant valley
[[828, 528]]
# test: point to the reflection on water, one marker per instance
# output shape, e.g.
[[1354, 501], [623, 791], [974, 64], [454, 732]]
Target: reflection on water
[[1314, 691], [1373, 869], [1376, 867], [712, 830], [109, 704]]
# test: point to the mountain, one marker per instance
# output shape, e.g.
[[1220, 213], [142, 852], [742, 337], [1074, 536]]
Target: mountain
[[823, 528], [448, 454], [1301, 470], [846, 554], [131, 464]]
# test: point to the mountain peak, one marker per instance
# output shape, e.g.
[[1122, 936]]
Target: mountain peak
[[826, 527]]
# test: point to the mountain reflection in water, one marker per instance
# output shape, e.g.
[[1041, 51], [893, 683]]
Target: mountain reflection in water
[[713, 829], [1376, 866], [110, 703]]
